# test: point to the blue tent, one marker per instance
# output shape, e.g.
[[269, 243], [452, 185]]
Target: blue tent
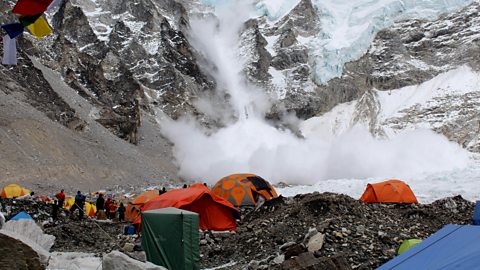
[[452, 247], [21, 215]]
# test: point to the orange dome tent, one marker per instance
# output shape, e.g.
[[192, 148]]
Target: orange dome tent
[[215, 212], [13, 191], [133, 208], [244, 189], [391, 191]]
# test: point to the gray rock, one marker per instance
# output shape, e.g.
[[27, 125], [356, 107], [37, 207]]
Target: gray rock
[[128, 247], [316, 242], [279, 259], [116, 260]]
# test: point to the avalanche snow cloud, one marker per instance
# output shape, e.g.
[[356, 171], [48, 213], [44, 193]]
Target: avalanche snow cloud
[[250, 144]]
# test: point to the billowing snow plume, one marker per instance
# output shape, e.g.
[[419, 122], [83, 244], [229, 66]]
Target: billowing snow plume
[[250, 144]]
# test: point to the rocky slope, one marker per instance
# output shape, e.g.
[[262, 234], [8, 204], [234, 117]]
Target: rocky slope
[[117, 66]]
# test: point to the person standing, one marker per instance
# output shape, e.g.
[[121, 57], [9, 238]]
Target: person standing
[[78, 204], [100, 206], [60, 198], [112, 210], [107, 207], [121, 212], [55, 207], [100, 202]]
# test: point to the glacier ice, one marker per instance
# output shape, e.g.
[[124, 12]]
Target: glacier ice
[[349, 27]]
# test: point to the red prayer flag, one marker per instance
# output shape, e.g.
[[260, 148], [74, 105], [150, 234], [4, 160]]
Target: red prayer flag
[[31, 7]]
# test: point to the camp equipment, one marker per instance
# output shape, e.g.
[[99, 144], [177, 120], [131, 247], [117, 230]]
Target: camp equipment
[[170, 238], [452, 247], [391, 191], [476, 214], [244, 189], [408, 244]]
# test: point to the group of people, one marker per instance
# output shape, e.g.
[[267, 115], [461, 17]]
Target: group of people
[[105, 209], [108, 209]]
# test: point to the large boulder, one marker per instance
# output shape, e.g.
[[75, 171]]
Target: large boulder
[[116, 260], [17, 255], [28, 232]]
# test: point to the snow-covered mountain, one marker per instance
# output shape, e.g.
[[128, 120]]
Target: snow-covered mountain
[[387, 66]]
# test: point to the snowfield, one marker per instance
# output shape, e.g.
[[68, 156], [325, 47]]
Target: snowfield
[[431, 184], [427, 188]]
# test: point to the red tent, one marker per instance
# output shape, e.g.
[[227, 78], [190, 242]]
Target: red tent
[[31, 7], [215, 212]]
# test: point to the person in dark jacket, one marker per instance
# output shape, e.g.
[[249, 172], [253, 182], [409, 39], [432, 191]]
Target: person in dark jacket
[[121, 212], [100, 202], [55, 207], [79, 203]]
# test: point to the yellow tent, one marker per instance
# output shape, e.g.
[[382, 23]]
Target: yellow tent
[[13, 190], [69, 202], [90, 208]]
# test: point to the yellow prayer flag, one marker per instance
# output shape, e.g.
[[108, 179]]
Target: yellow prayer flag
[[40, 28]]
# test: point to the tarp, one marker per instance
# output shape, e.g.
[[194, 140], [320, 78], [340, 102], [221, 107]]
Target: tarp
[[13, 190], [244, 189], [391, 191], [31, 7], [21, 215], [452, 247], [215, 212], [9, 51], [13, 29], [40, 28], [170, 238]]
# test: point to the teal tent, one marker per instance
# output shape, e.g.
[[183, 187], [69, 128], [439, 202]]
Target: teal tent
[[170, 238]]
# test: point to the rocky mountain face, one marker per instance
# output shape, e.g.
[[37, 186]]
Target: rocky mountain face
[[118, 64]]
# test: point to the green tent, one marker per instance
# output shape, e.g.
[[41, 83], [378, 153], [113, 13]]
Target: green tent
[[408, 244], [170, 238]]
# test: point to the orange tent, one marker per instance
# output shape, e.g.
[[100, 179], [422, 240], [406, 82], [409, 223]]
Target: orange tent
[[215, 212], [133, 208], [244, 189], [391, 191]]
